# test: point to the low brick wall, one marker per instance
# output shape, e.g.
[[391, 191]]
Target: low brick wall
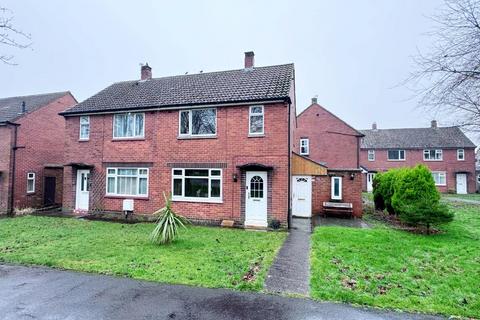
[[351, 190]]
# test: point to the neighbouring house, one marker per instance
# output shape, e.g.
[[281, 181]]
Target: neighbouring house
[[31, 150], [448, 153], [477, 169], [218, 142], [326, 167]]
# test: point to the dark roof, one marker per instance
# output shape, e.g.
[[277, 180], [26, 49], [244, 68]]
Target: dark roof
[[416, 138], [234, 86], [11, 108]]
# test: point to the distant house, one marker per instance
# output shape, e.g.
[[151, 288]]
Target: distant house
[[323, 139], [448, 153], [31, 150], [217, 142], [477, 169]]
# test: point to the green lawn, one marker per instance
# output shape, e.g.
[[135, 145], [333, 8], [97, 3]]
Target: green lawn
[[471, 196], [394, 269], [210, 257]]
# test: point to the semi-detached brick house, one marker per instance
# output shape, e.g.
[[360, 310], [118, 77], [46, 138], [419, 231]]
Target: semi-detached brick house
[[218, 142], [31, 150], [448, 153], [324, 139]]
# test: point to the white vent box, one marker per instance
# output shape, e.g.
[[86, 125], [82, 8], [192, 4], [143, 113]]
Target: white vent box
[[128, 205]]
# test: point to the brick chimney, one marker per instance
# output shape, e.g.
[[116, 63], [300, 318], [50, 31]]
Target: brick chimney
[[146, 72], [314, 100], [249, 59], [374, 126], [434, 124]]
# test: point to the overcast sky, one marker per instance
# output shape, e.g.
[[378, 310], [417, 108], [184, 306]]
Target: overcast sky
[[352, 54]]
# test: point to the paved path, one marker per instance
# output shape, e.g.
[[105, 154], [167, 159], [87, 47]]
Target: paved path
[[41, 293], [290, 272], [463, 200]]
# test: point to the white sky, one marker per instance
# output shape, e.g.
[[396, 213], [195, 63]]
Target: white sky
[[352, 54]]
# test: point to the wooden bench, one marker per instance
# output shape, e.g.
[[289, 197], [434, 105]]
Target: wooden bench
[[338, 209]]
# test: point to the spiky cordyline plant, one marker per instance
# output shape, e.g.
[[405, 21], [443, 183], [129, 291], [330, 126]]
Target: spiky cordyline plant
[[168, 224]]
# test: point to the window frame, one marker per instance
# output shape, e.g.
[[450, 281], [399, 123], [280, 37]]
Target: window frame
[[138, 176], [250, 115], [332, 193], [307, 146], [399, 159], [436, 152], [463, 154], [444, 173], [133, 137], [80, 128], [190, 127], [371, 152], [210, 177], [31, 176]]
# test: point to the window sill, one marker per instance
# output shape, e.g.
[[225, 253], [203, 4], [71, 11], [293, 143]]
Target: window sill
[[259, 135], [31, 193], [197, 200], [305, 154], [395, 160], [196, 137], [83, 140], [110, 196], [127, 139], [428, 160]]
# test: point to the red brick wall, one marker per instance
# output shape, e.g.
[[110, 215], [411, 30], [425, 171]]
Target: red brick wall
[[41, 141], [331, 140], [351, 191], [231, 147], [6, 134], [449, 164]]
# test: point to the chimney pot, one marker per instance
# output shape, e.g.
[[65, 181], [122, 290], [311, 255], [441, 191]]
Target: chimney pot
[[146, 72], [374, 126], [249, 59], [434, 124], [314, 100]]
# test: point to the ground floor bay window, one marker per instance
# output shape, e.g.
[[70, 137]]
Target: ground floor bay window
[[198, 185], [127, 182]]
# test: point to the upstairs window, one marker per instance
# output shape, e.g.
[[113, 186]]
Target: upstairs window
[[371, 155], [30, 182], [440, 178], [396, 155], [198, 122], [432, 155], [304, 147], [256, 120], [129, 125], [127, 181], [460, 154], [336, 188], [84, 127]]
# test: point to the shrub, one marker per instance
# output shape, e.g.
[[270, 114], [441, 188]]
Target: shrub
[[383, 189], [422, 212], [168, 224], [275, 224]]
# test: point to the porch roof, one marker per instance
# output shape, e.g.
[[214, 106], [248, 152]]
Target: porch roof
[[255, 167]]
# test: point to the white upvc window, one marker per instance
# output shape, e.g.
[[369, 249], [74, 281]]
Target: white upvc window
[[433, 154], [128, 125], [371, 155], [396, 155], [304, 146], [84, 127], [127, 182], [30, 182], [460, 154], [256, 120], [440, 178], [478, 178], [336, 188], [197, 185], [197, 122]]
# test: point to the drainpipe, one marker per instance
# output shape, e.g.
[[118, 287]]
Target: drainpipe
[[289, 216], [12, 172]]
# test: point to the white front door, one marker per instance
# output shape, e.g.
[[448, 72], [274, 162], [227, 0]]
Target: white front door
[[83, 188], [370, 177], [461, 183], [302, 196], [256, 193]]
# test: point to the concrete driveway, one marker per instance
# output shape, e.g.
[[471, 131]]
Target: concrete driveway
[[41, 293]]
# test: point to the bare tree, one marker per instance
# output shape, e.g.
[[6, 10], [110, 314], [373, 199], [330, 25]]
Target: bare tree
[[10, 36], [448, 77]]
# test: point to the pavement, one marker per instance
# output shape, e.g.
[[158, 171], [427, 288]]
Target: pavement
[[42, 293], [290, 272]]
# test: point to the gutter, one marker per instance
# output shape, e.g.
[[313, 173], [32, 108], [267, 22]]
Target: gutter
[[178, 107]]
